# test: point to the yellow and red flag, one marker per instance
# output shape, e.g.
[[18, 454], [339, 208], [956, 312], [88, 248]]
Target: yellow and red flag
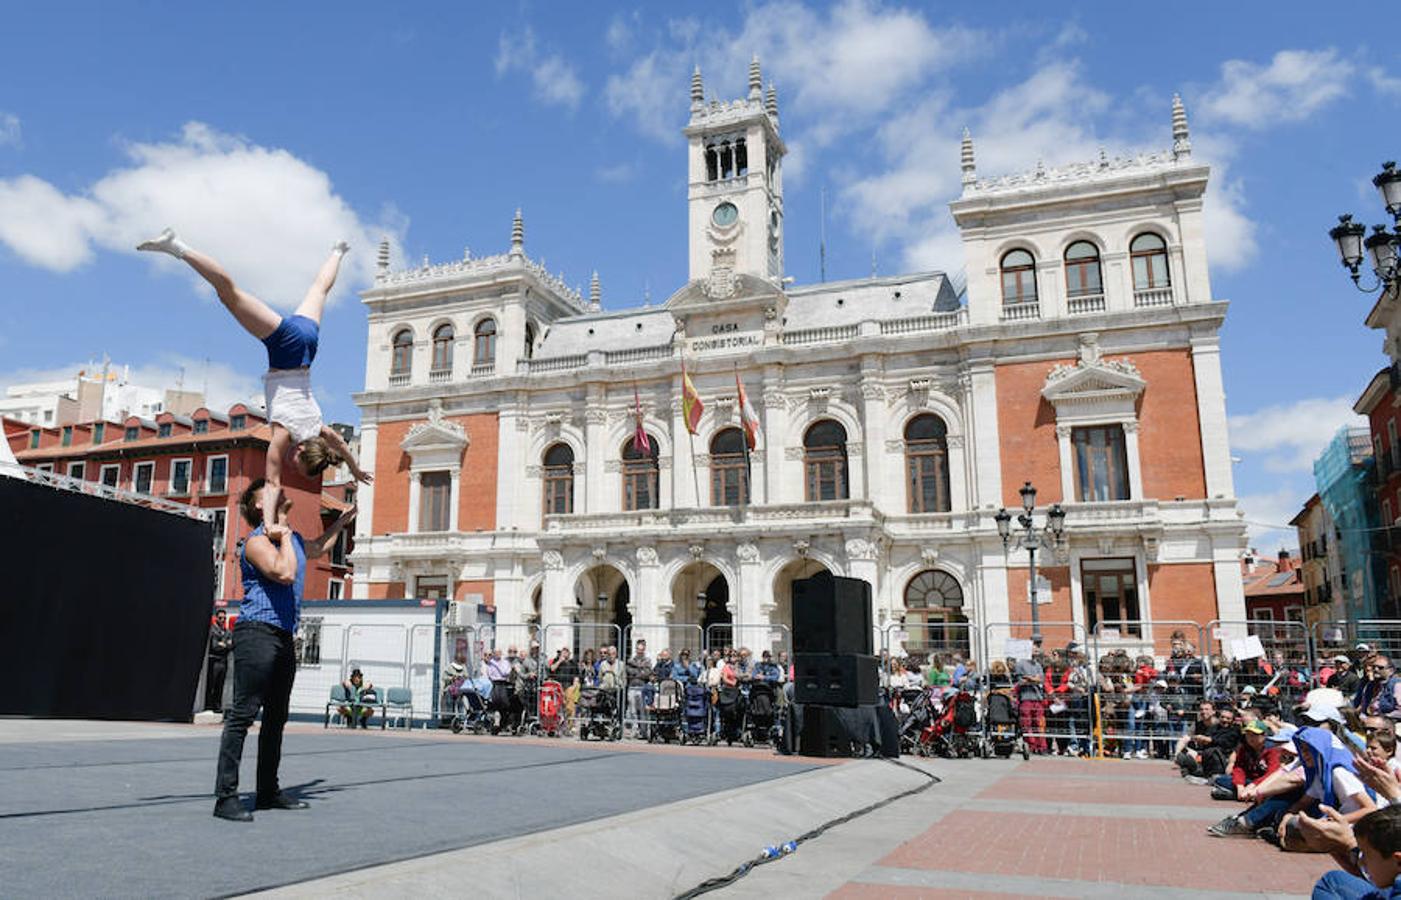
[[747, 417], [640, 441], [691, 405]]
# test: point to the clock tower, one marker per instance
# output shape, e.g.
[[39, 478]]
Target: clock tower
[[735, 184]]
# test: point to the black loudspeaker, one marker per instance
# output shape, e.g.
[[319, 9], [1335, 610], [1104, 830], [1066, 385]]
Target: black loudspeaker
[[836, 679], [831, 615], [823, 733]]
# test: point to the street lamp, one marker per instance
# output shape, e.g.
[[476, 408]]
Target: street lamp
[[1352, 240], [1030, 538]]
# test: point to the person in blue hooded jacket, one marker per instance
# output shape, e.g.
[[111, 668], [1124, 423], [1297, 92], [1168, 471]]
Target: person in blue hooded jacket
[[1330, 780]]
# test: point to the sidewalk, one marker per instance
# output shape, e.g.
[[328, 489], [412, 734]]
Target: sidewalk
[[1049, 828]]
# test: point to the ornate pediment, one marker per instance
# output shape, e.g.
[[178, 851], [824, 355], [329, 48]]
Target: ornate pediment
[[1104, 379], [437, 439], [725, 287]]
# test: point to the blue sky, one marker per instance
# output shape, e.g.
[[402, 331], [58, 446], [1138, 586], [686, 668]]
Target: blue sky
[[266, 131]]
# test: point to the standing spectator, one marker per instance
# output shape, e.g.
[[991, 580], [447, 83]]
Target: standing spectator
[[1031, 699], [768, 670], [639, 675], [610, 670], [935, 675], [785, 667], [588, 666], [744, 669], [683, 670], [565, 670], [220, 643]]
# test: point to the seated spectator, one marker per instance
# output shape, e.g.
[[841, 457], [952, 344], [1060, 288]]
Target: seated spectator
[[1201, 725], [1381, 751], [1369, 852], [1330, 783], [1344, 678], [1271, 796], [361, 695], [1207, 755], [1254, 759]]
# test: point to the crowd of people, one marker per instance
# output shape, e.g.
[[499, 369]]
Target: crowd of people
[[1317, 770]]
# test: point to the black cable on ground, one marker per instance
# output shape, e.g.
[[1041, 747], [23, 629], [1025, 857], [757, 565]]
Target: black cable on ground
[[743, 869]]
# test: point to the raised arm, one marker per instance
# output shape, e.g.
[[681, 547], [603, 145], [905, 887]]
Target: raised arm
[[272, 471], [337, 443], [277, 562], [322, 545]]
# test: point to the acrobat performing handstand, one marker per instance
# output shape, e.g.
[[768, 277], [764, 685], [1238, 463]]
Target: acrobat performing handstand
[[298, 434]]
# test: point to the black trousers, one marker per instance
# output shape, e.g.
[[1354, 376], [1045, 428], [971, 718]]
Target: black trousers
[[214, 682], [265, 663]]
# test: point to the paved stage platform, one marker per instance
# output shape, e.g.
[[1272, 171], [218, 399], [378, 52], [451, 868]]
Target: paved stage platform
[[112, 809]]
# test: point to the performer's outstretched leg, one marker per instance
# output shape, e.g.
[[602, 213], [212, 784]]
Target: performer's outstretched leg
[[315, 299], [259, 319]]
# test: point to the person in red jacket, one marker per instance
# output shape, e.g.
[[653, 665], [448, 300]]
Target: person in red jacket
[[1254, 759]]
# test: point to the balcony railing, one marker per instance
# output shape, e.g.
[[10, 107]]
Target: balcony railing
[[1081, 304], [637, 354], [1153, 297], [1021, 312], [400, 379], [821, 335], [483, 368], [439, 376], [554, 363], [915, 324]]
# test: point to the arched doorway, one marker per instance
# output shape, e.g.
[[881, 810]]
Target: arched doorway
[[601, 597], [794, 570], [934, 621], [700, 595]]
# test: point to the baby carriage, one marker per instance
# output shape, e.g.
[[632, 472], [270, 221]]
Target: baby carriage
[[550, 709], [470, 712], [695, 717], [665, 712], [729, 709], [915, 712], [1002, 732], [762, 713], [597, 714], [950, 733]]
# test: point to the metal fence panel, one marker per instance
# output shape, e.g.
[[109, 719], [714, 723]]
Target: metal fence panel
[[1261, 657], [1150, 677], [919, 645], [587, 635], [775, 638], [321, 667], [1059, 718]]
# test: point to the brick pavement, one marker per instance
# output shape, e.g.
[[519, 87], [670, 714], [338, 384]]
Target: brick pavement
[[1072, 828]]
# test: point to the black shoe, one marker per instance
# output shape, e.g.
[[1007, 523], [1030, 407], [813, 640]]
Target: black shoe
[[231, 808], [1268, 835], [281, 801], [1220, 793]]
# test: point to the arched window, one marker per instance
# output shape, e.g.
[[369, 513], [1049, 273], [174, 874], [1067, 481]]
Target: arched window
[[1148, 253], [927, 464], [1082, 273], [824, 461], [484, 348], [401, 363], [529, 340], [933, 589], [442, 348], [640, 476], [729, 477], [558, 472], [1018, 278]]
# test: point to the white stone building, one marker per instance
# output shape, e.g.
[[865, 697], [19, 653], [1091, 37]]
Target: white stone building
[[898, 413]]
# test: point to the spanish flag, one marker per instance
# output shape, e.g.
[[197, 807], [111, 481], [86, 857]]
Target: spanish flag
[[747, 417], [691, 406]]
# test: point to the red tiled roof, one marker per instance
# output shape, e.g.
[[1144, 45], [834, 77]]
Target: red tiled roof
[[122, 446]]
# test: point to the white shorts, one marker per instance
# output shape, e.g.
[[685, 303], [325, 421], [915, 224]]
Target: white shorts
[[291, 403]]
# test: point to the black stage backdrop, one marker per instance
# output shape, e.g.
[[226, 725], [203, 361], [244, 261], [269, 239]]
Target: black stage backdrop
[[104, 606]]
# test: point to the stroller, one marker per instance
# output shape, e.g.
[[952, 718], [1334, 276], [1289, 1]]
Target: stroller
[[729, 715], [915, 712], [665, 712], [950, 733], [763, 708], [550, 709], [470, 712], [695, 716], [1002, 733], [597, 714]]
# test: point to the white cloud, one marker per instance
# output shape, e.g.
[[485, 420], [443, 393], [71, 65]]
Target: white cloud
[[10, 135], [618, 174], [1289, 436], [1295, 85], [268, 216], [1384, 83], [1267, 518], [554, 78], [650, 93]]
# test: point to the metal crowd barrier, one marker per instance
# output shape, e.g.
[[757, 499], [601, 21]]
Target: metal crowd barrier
[[1059, 718], [942, 644], [666, 636], [580, 635], [1263, 657], [1150, 678]]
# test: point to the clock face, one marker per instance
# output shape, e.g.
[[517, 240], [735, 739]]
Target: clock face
[[725, 215]]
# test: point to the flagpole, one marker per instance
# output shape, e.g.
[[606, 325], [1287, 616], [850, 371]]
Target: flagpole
[[744, 441]]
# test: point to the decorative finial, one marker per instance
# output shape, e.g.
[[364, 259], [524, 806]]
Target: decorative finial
[[1103, 159], [382, 261], [595, 293], [518, 234], [771, 103], [1040, 168], [697, 89], [970, 169], [756, 79], [466, 254], [1181, 142]]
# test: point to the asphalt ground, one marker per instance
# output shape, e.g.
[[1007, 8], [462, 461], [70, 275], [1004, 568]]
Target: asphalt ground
[[125, 811]]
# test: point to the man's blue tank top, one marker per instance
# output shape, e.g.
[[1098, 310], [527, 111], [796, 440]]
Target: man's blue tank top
[[265, 600], [293, 344]]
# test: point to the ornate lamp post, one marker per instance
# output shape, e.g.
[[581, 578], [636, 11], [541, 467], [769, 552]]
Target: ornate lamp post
[[1031, 538], [1352, 239]]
